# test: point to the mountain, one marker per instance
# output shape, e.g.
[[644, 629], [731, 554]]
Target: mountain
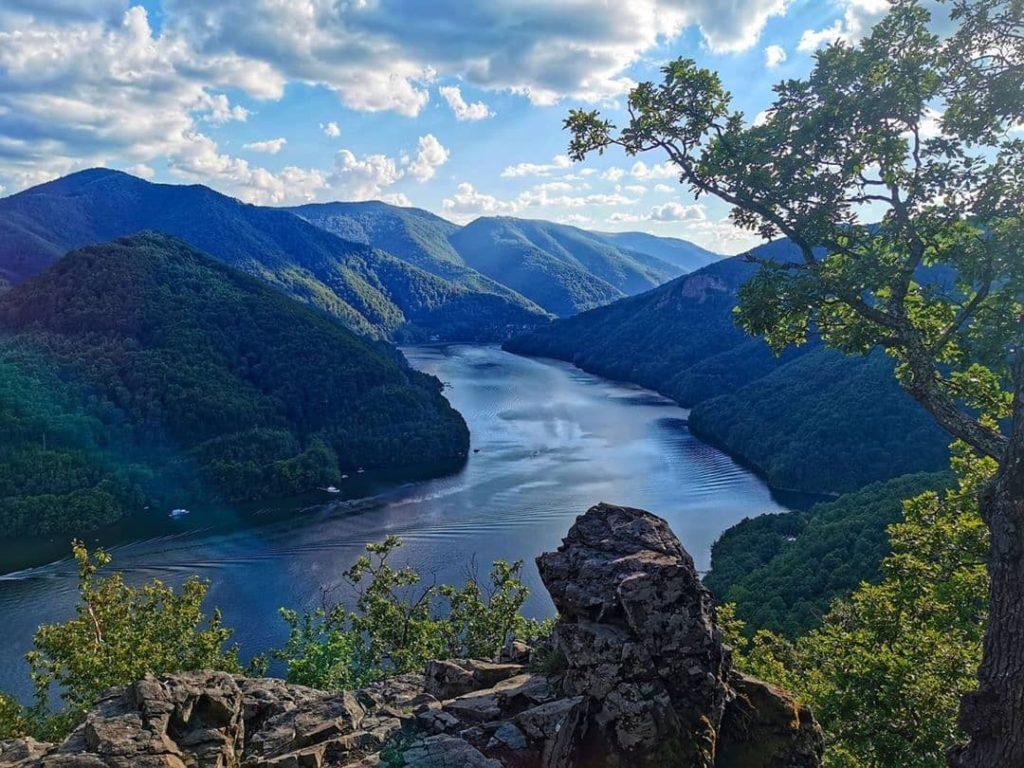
[[810, 420], [412, 234], [563, 269], [683, 254], [143, 372], [370, 290], [782, 571]]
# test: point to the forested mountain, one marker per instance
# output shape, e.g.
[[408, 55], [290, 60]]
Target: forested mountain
[[782, 571], [412, 234], [563, 269], [143, 372], [370, 290], [685, 255], [810, 420]]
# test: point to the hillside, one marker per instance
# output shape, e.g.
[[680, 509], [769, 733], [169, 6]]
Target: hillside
[[810, 420], [142, 372], [563, 269], [683, 254], [412, 234], [367, 288], [782, 571]]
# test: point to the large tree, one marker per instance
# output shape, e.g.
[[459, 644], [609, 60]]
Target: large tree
[[897, 168]]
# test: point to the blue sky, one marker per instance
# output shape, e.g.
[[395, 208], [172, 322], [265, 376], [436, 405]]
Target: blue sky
[[449, 105]]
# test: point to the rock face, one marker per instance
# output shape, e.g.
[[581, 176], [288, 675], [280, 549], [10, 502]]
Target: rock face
[[645, 683]]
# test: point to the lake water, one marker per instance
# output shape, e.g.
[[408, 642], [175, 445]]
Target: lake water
[[548, 441]]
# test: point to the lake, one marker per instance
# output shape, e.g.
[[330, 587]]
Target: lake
[[548, 441]]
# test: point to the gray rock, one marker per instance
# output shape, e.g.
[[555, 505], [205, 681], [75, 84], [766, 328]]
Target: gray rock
[[647, 684]]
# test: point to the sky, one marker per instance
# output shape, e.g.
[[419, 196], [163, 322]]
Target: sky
[[455, 106]]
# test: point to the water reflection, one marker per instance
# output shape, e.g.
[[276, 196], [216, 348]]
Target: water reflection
[[548, 441]]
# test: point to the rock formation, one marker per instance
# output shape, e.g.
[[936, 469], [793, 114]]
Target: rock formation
[[645, 683]]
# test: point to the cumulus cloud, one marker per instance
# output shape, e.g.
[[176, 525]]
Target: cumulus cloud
[[536, 169], [430, 156], [385, 54], [362, 178], [270, 146], [774, 55], [468, 203], [663, 188], [858, 17], [331, 129], [613, 174], [668, 212], [643, 171], [463, 111]]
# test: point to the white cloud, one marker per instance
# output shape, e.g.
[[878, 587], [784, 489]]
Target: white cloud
[[331, 129], [430, 156], [774, 55], [858, 18], [364, 178], [384, 55], [463, 111], [663, 188], [642, 171], [613, 174], [668, 212], [397, 198], [468, 203], [636, 189], [536, 169], [270, 146], [218, 110]]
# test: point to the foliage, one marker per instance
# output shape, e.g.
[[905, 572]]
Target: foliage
[[852, 135], [782, 571], [885, 671], [143, 373], [399, 623], [120, 633]]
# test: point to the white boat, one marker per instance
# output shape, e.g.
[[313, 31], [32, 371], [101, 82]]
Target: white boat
[[361, 470], [332, 489], [176, 513]]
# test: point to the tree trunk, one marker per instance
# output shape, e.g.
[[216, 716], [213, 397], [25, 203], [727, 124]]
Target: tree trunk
[[993, 715]]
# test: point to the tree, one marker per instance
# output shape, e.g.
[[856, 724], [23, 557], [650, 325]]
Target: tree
[[914, 133], [120, 634], [885, 670]]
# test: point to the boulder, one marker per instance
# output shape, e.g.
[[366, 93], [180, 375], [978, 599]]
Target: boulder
[[646, 683]]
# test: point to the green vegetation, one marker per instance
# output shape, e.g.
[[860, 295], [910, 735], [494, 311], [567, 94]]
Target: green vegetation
[[119, 634], [824, 423], [371, 291], [855, 133], [400, 624], [782, 571], [810, 420], [885, 671], [563, 269], [142, 373]]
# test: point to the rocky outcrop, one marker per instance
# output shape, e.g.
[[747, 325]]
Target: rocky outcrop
[[645, 682]]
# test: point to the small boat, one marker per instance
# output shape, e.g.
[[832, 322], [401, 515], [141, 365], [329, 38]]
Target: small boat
[[360, 471], [332, 489], [476, 450], [344, 477], [176, 513]]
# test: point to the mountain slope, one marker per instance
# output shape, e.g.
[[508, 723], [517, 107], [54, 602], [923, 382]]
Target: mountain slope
[[144, 372], [782, 571], [811, 420], [683, 254], [563, 269], [370, 290]]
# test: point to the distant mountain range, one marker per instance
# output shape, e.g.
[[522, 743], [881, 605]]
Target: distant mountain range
[[400, 273], [142, 373], [810, 420]]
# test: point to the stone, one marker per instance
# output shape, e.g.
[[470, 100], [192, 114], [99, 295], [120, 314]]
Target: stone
[[646, 684], [638, 632]]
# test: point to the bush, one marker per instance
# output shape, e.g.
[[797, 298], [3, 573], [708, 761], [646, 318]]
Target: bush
[[400, 623], [120, 633]]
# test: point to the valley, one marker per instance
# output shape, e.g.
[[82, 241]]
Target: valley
[[547, 442]]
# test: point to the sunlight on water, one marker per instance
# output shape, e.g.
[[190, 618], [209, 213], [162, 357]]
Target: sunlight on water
[[549, 441]]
